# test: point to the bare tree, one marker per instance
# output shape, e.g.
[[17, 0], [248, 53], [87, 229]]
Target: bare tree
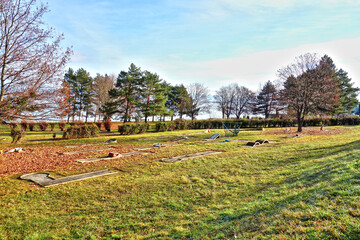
[[310, 86], [31, 60], [101, 87], [199, 100], [224, 99], [243, 101]]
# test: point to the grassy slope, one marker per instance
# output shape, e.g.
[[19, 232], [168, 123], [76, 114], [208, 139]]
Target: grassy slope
[[299, 188]]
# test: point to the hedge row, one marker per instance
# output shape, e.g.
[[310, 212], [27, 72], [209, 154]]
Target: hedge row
[[181, 124], [85, 131], [128, 129]]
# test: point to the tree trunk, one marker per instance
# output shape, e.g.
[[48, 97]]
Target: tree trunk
[[300, 123]]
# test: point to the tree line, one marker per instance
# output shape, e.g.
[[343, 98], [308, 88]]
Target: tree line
[[310, 86], [133, 94]]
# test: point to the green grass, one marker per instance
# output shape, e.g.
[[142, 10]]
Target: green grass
[[303, 188]]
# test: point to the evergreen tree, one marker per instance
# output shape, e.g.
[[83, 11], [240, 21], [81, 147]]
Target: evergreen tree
[[177, 96], [348, 93], [126, 93], [153, 98], [266, 99], [80, 83]]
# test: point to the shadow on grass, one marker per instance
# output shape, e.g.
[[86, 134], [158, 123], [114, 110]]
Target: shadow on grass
[[316, 181]]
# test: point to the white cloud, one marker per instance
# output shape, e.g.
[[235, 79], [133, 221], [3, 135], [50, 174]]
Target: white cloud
[[253, 69]]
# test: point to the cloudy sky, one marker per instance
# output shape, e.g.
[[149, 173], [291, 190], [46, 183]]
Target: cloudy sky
[[214, 42]]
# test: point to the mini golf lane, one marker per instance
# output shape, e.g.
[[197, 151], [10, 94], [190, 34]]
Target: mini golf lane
[[188, 156], [44, 180]]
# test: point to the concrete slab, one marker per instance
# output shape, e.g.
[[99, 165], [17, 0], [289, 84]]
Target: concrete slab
[[188, 156], [44, 180]]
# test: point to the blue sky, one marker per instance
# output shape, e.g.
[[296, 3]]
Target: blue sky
[[214, 42]]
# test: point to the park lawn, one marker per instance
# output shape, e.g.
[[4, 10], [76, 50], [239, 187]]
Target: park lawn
[[306, 187]]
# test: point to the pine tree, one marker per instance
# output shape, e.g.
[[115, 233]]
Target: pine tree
[[266, 99], [126, 93], [153, 98], [348, 93]]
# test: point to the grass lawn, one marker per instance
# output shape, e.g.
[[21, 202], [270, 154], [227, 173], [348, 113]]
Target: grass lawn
[[293, 188]]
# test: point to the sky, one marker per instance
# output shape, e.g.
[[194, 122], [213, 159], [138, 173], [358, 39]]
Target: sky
[[213, 42]]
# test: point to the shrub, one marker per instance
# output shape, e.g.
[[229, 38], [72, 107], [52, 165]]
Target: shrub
[[62, 126], [52, 126], [81, 132], [98, 124], [143, 128], [161, 127], [107, 124], [43, 126], [16, 134], [171, 126], [13, 125], [31, 126], [180, 124], [24, 125], [124, 129]]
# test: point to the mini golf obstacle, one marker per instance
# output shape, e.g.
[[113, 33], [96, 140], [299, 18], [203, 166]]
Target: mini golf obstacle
[[231, 129], [262, 141], [188, 156], [44, 180], [213, 137], [256, 143], [252, 144]]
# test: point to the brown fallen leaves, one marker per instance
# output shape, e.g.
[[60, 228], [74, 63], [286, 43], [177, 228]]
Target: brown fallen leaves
[[51, 158]]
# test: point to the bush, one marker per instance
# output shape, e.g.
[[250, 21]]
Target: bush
[[85, 131], [16, 134], [62, 126], [98, 124], [180, 124], [161, 127], [143, 128], [171, 126], [13, 125], [124, 129], [107, 124], [31, 126], [43, 126], [52, 126], [24, 125]]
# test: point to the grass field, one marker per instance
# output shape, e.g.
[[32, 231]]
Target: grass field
[[292, 188]]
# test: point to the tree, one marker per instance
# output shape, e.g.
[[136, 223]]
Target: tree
[[266, 99], [31, 60], [225, 100], [199, 100], [153, 96], [310, 86], [100, 88], [184, 101], [126, 93], [177, 98], [243, 100], [80, 83], [348, 93]]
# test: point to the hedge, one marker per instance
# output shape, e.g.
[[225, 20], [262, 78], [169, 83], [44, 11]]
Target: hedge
[[182, 124], [84, 131]]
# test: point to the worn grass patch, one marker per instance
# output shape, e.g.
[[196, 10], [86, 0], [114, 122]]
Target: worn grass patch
[[297, 188]]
